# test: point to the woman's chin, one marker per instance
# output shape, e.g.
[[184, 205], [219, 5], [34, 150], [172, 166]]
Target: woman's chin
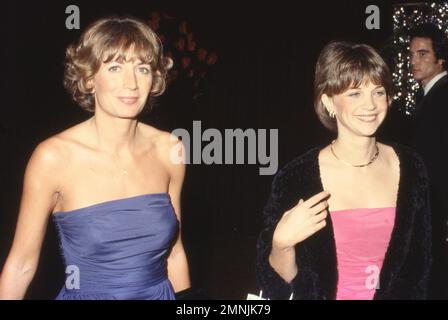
[[368, 133], [128, 114], [369, 129]]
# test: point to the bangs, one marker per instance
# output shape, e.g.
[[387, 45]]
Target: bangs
[[355, 71], [128, 45], [342, 66], [112, 39]]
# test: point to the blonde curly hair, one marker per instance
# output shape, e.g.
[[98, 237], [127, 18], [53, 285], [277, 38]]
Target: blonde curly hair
[[110, 39]]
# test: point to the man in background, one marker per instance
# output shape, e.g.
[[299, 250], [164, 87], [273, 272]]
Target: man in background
[[428, 58]]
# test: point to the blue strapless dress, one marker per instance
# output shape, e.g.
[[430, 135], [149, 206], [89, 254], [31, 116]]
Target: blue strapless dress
[[118, 249]]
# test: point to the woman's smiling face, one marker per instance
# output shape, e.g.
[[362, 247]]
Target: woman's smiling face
[[359, 110], [122, 86]]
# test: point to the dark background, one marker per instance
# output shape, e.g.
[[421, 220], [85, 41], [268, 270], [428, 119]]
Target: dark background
[[263, 79]]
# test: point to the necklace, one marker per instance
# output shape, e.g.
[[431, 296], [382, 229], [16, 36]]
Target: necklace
[[375, 156]]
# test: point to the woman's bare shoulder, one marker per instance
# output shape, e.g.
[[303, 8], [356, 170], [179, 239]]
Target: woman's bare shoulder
[[77, 134], [168, 147], [58, 147], [388, 153], [159, 138]]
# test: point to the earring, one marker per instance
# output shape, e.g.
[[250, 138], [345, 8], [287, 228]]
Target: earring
[[332, 113]]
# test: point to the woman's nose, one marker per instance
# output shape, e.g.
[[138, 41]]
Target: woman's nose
[[370, 103], [130, 80]]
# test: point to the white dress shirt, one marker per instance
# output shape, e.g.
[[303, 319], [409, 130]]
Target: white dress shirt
[[433, 81]]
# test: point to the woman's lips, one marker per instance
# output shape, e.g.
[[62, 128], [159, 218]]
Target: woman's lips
[[367, 118], [128, 100]]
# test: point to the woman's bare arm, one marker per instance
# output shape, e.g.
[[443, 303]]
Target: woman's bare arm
[[40, 191], [178, 271]]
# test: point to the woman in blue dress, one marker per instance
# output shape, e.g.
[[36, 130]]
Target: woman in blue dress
[[111, 184]]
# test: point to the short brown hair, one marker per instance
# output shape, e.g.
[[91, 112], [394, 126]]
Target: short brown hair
[[344, 65], [107, 39]]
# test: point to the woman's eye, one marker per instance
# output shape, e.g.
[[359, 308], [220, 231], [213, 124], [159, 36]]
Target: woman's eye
[[354, 94], [381, 93], [114, 68], [144, 70]]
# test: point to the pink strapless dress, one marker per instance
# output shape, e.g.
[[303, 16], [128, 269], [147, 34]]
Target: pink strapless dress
[[362, 237]]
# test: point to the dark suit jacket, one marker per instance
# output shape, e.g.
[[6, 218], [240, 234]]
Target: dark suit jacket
[[407, 262], [430, 140]]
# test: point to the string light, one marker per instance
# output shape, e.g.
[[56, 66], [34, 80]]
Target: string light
[[404, 19]]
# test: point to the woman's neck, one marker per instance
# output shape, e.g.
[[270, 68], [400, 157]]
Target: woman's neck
[[355, 150], [114, 135]]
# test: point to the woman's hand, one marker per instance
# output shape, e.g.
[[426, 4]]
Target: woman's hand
[[301, 222]]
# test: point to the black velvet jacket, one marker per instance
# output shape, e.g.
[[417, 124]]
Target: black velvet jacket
[[407, 262]]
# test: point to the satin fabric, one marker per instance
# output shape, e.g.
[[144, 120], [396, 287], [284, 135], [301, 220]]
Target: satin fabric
[[362, 237], [118, 249]]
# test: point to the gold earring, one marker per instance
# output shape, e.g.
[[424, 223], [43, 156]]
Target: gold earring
[[332, 113]]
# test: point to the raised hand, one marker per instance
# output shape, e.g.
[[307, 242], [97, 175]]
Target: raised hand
[[301, 221]]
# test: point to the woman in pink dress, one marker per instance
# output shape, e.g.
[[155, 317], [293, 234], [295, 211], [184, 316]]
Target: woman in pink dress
[[350, 220]]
